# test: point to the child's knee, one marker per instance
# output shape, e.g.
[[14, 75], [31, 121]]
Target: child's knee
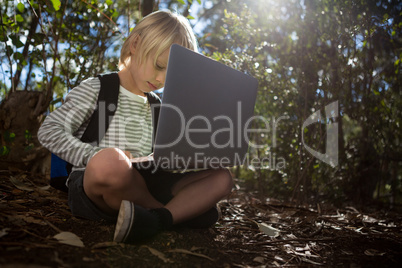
[[225, 181], [108, 166]]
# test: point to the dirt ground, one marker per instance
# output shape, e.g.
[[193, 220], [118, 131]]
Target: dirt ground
[[35, 224]]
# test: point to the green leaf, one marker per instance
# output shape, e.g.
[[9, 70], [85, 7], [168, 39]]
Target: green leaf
[[9, 137], [20, 7], [181, 2], [4, 150], [199, 2], [28, 134], [56, 4], [189, 17], [16, 41], [3, 37], [29, 147], [53, 102], [19, 18]]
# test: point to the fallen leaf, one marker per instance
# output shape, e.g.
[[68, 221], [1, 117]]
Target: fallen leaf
[[276, 263], [20, 185], [69, 239], [158, 254], [185, 251], [4, 232], [44, 188], [268, 230], [17, 219], [259, 260], [369, 219], [373, 252]]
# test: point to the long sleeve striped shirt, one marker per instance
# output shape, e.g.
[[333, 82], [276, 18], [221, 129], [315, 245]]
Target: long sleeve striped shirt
[[130, 129]]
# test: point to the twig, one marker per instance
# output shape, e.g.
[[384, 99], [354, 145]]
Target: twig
[[5, 243], [35, 235], [8, 54], [106, 16], [52, 225], [291, 240], [184, 251]]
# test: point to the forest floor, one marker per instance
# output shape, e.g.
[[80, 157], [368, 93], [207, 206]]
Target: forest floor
[[34, 220]]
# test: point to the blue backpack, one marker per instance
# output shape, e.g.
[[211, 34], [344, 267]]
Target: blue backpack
[[108, 94]]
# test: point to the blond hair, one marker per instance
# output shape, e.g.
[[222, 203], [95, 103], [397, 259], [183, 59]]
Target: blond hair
[[155, 34]]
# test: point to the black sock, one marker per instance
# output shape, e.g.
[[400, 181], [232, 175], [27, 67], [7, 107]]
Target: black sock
[[165, 218], [205, 220]]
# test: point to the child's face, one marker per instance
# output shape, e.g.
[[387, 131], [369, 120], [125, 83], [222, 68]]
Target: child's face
[[148, 76]]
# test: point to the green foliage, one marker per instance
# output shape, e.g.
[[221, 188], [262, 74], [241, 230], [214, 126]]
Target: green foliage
[[307, 55], [56, 4], [57, 44]]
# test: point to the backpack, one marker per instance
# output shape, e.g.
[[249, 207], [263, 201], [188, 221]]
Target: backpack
[[108, 94]]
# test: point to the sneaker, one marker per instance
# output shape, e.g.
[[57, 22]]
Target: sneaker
[[135, 223]]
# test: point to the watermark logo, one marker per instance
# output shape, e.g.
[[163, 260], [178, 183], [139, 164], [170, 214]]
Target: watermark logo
[[331, 147], [221, 133]]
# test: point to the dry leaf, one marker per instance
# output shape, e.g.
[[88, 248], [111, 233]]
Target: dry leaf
[[158, 254], [268, 230], [369, 219], [44, 188], [259, 260], [69, 239], [373, 252], [28, 219], [4, 232], [20, 185], [185, 251]]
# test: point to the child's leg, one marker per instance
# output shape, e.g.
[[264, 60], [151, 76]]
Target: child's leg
[[194, 195], [110, 178], [198, 192]]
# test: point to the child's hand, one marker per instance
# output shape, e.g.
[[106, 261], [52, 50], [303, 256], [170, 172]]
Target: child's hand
[[142, 159], [128, 154]]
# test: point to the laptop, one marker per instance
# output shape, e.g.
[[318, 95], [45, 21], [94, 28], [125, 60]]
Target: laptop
[[206, 110]]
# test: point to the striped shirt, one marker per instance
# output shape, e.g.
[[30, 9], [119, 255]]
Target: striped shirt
[[130, 129]]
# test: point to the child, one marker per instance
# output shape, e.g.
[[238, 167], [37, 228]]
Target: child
[[106, 183]]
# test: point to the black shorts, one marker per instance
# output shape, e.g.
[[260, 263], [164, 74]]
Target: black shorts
[[159, 184]]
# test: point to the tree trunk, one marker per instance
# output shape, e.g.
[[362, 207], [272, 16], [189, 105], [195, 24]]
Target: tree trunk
[[147, 7], [21, 114]]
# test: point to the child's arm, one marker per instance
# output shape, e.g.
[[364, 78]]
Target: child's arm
[[61, 130]]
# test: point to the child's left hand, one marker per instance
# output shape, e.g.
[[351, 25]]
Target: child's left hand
[[142, 159]]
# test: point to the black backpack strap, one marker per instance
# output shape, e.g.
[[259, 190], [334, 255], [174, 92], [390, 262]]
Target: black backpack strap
[[106, 107], [155, 102]]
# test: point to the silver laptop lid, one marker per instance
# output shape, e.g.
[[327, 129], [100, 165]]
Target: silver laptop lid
[[206, 107]]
